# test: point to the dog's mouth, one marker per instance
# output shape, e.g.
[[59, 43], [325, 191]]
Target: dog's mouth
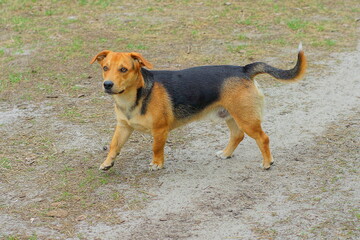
[[111, 92]]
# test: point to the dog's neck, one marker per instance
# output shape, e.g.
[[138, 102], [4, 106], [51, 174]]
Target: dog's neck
[[136, 96]]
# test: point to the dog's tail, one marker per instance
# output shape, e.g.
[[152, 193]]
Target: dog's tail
[[291, 75]]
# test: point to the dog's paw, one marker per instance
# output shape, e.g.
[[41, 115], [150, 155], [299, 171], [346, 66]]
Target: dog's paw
[[105, 167], [220, 154], [267, 166], [154, 167]]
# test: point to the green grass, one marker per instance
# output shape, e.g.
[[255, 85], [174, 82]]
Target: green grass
[[33, 237], [45, 87], [76, 88], [236, 48], [356, 213], [324, 43], [5, 163], [242, 37], [330, 42], [71, 114], [72, 49], [16, 43], [248, 21], [49, 12], [296, 24], [11, 238], [20, 23], [103, 40], [15, 77], [67, 169], [132, 46], [279, 41], [116, 196], [92, 180]]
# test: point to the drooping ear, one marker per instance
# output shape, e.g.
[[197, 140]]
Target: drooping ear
[[141, 60], [100, 56]]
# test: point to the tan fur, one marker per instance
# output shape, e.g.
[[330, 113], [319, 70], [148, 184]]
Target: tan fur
[[241, 98]]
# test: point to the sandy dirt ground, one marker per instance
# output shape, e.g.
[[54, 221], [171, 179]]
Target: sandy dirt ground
[[312, 191]]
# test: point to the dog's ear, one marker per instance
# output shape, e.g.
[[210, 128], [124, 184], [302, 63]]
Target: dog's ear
[[143, 62], [100, 56]]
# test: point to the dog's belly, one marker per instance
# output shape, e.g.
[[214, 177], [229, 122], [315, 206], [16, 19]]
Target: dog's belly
[[140, 123], [215, 114], [218, 113]]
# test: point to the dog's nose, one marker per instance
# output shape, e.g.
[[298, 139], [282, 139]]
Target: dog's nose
[[108, 85]]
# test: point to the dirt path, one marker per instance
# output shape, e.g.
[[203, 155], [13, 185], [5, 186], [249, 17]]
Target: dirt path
[[312, 191]]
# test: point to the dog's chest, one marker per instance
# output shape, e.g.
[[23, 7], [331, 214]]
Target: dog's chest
[[139, 123], [131, 115]]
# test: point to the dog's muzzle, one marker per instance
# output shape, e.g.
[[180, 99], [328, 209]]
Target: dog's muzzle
[[108, 85]]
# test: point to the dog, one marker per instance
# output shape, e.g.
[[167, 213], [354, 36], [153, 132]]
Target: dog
[[158, 101]]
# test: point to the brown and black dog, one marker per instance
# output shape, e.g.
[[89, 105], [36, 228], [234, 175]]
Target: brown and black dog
[[159, 101]]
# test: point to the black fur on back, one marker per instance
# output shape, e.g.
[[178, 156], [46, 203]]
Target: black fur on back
[[192, 90]]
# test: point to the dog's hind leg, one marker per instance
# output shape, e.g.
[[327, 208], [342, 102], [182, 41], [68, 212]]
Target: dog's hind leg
[[236, 136], [244, 101], [254, 130], [160, 136]]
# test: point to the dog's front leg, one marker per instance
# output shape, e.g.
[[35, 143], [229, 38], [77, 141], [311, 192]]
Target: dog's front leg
[[160, 136], [121, 135]]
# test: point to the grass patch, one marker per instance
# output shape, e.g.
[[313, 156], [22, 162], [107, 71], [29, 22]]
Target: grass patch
[[71, 114], [72, 49], [45, 87], [10, 237], [324, 43], [296, 24], [20, 23], [16, 44], [242, 37], [49, 12], [5, 163], [15, 77], [356, 213], [248, 21], [279, 41], [131, 46], [236, 48], [330, 42]]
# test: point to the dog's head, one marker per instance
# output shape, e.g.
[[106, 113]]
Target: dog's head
[[121, 71]]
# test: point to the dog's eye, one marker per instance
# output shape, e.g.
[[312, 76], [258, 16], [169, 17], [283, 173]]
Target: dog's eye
[[105, 68], [123, 70]]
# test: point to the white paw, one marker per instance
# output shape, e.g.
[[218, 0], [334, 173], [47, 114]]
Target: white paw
[[267, 166], [154, 167], [221, 155], [105, 167]]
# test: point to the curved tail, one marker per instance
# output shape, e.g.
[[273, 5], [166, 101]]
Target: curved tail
[[291, 75]]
